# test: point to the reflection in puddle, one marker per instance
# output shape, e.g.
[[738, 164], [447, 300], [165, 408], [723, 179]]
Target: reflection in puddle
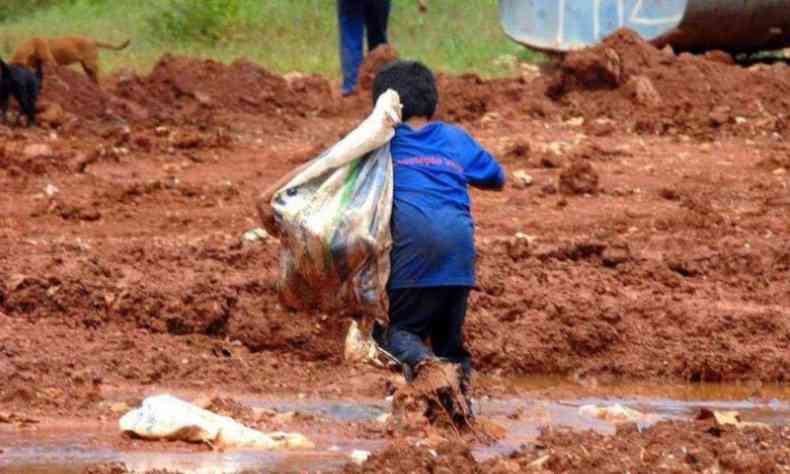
[[657, 402], [691, 391], [533, 415], [344, 411], [67, 460], [523, 415]]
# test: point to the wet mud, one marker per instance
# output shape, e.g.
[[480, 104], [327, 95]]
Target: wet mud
[[535, 420], [651, 246]]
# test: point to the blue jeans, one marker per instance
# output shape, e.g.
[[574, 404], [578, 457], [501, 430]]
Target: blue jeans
[[438, 313], [354, 17]]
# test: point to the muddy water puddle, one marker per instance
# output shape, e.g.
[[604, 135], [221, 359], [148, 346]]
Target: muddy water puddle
[[536, 403], [67, 460], [338, 410], [556, 402], [524, 420]]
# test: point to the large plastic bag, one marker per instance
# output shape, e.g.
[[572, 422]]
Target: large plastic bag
[[167, 417], [334, 220]]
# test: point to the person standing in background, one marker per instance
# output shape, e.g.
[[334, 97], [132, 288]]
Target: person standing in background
[[356, 18]]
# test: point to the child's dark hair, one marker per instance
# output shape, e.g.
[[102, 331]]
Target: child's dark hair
[[415, 85]]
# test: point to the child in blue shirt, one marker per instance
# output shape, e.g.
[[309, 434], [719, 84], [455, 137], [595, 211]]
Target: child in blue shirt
[[433, 253]]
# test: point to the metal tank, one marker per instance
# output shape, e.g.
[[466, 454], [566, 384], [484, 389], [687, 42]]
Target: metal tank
[[731, 25]]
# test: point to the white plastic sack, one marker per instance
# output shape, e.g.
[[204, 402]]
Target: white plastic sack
[[167, 417], [334, 220]]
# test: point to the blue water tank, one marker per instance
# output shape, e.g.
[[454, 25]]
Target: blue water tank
[[733, 25]]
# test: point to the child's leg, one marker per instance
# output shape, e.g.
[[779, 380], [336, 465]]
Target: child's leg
[[447, 333], [351, 20], [411, 314]]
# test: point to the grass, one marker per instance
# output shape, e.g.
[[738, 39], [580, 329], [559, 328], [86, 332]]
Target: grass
[[283, 35]]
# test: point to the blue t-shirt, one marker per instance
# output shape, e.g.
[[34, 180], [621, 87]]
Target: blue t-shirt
[[432, 226]]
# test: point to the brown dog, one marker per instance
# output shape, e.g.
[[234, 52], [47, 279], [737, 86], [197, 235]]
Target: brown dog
[[64, 51]]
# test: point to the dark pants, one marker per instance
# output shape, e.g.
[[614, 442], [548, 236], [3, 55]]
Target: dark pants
[[417, 314], [354, 17]]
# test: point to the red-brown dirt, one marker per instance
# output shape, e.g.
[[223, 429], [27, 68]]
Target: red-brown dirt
[[403, 457], [375, 60], [667, 447], [121, 263], [677, 447], [652, 91]]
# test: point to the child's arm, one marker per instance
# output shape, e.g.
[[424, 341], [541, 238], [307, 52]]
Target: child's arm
[[264, 201], [482, 170], [486, 173]]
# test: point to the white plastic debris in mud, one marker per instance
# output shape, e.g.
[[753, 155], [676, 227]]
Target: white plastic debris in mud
[[359, 456], [614, 414], [255, 235], [167, 417], [522, 180], [359, 347]]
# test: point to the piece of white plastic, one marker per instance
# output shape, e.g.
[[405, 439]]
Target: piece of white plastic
[[169, 418], [359, 456], [359, 348], [615, 413], [334, 220]]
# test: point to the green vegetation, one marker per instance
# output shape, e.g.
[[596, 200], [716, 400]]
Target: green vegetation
[[283, 35], [195, 21], [11, 9]]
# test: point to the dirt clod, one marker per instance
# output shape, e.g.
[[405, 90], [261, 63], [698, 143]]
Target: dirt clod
[[579, 178], [643, 91]]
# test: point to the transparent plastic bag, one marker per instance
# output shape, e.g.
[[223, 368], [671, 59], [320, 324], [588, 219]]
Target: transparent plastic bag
[[334, 221]]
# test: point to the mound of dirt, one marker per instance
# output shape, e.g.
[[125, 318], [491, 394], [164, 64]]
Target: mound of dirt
[[463, 98], [187, 90], [375, 60], [74, 92], [655, 91], [186, 85], [468, 98], [623, 79]]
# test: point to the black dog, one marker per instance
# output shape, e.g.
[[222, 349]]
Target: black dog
[[24, 85]]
